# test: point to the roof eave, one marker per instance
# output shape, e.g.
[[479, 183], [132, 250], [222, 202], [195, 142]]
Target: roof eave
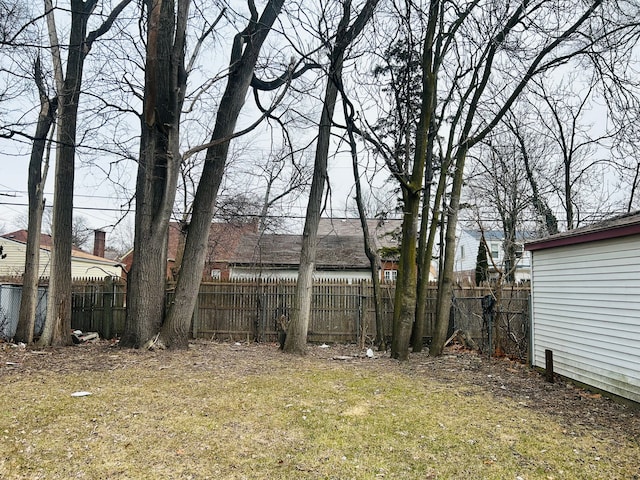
[[585, 237]]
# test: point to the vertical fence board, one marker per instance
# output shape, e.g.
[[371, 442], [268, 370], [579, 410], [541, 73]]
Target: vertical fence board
[[341, 311]]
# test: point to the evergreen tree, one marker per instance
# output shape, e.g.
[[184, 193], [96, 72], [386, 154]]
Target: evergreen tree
[[482, 266]]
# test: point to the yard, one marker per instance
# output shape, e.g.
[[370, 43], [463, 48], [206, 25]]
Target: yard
[[224, 410]]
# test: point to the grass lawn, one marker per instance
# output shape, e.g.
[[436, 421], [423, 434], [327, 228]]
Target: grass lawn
[[229, 411]]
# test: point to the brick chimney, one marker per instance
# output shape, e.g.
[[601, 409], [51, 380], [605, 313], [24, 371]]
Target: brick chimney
[[98, 243]]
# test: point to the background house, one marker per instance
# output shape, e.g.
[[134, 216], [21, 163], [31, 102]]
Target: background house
[[468, 242], [586, 304], [83, 264], [278, 256], [239, 251], [224, 238], [340, 252]]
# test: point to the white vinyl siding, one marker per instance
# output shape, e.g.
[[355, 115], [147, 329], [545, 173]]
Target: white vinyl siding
[[13, 264], [466, 252], [586, 309], [86, 268]]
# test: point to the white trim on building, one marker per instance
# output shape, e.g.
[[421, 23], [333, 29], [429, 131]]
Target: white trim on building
[[586, 310]]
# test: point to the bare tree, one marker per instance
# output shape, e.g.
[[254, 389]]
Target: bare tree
[[369, 244], [38, 168], [498, 188], [296, 341], [158, 166], [68, 88], [561, 33], [580, 149], [533, 150], [244, 55]]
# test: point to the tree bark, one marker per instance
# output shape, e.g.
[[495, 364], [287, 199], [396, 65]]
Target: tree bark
[[57, 329], [296, 341], [158, 168], [175, 331], [428, 228], [446, 281], [35, 185], [404, 314]]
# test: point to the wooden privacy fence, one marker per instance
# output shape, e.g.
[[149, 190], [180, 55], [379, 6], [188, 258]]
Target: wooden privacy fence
[[340, 312], [497, 319], [99, 306]]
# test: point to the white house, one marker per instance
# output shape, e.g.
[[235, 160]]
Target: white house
[[83, 264], [586, 304], [467, 243]]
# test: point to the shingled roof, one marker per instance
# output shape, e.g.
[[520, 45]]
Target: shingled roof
[[46, 242], [386, 233], [224, 239], [334, 252]]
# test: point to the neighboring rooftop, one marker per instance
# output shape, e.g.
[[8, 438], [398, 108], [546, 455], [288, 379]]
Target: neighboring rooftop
[[333, 251], [46, 242], [614, 227], [224, 239]]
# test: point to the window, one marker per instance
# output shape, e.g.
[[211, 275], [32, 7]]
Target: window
[[495, 251], [215, 274], [390, 275], [462, 251]]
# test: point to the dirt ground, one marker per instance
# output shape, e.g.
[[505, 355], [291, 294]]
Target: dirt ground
[[501, 377]]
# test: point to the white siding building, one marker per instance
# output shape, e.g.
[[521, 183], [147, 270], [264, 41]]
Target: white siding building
[[83, 264], [586, 304], [467, 243]]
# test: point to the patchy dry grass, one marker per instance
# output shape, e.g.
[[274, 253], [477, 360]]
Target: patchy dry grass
[[223, 411]]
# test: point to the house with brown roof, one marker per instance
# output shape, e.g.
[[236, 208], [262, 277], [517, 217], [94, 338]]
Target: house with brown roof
[[340, 252], [83, 264], [278, 256], [238, 251], [224, 238]]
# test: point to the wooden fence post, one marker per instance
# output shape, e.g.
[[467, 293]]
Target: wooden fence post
[[107, 307], [548, 365], [196, 317]]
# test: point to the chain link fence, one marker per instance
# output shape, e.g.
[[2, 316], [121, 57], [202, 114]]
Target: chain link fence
[[10, 296], [497, 320]]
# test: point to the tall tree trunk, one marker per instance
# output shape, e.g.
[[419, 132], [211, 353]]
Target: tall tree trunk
[[428, 228], [369, 244], [404, 313], [158, 168], [35, 186], [175, 331], [296, 341], [57, 329], [446, 275]]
